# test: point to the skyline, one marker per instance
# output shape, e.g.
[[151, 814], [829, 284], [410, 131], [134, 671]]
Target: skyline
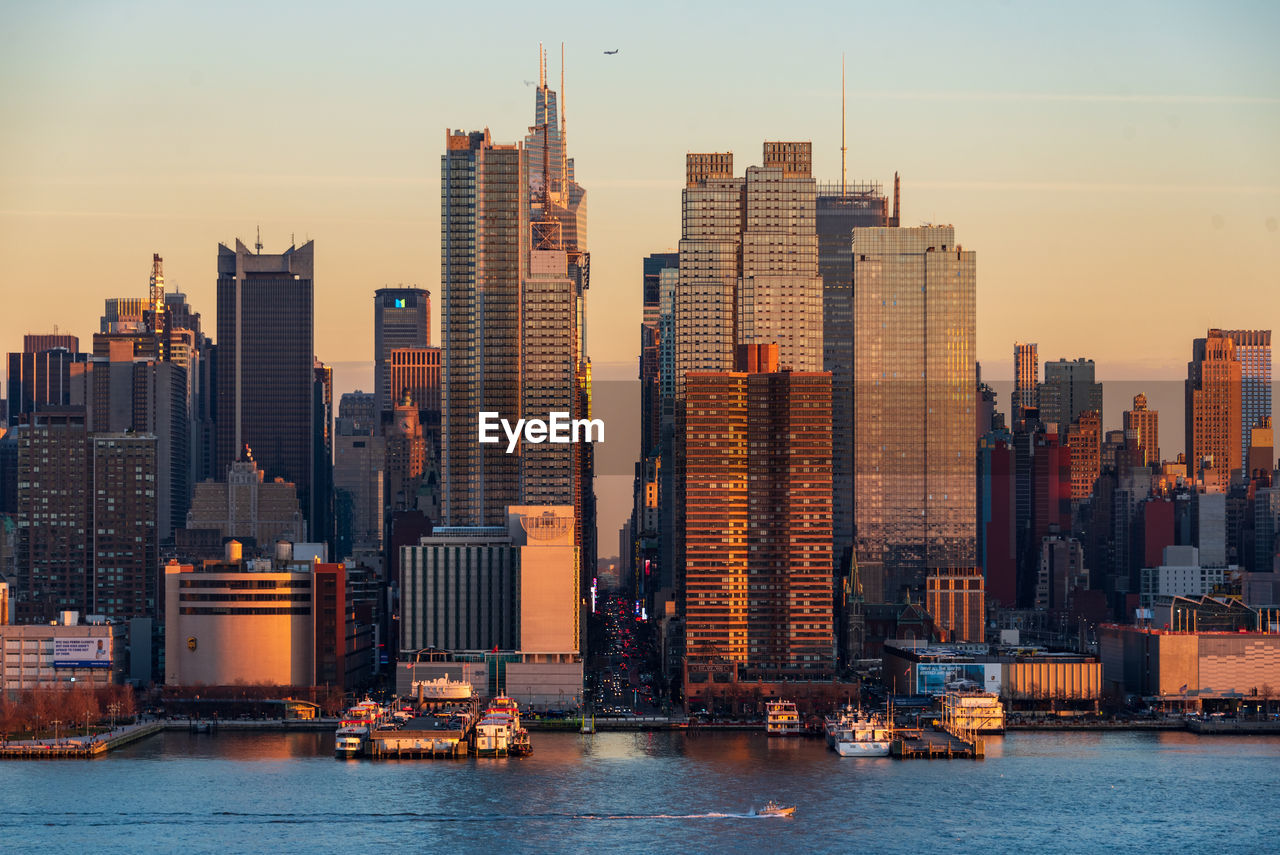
[[1082, 157]]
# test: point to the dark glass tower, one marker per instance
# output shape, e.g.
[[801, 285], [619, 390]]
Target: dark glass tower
[[266, 363]]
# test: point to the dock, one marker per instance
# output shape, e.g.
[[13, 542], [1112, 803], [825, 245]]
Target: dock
[[417, 744], [935, 745]]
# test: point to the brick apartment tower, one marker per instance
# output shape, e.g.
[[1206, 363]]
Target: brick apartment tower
[[758, 517]]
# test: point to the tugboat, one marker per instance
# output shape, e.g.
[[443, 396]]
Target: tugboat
[[772, 808]]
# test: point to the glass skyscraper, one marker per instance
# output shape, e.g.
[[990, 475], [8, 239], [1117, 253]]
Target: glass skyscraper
[[914, 404]]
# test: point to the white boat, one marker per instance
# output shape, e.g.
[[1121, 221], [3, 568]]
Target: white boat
[[782, 719], [349, 740], [859, 734], [499, 733], [352, 735]]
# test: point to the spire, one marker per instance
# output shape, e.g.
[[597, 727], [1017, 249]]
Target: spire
[[542, 67], [842, 127], [564, 145]]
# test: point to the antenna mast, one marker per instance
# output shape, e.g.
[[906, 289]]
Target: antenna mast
[[258, 245], [842, 127]]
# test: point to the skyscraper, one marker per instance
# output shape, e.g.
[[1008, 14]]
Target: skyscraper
[[483, 225], [1084, 439], [266, 363], [1253, 350], [915, 306], [779, 298], [758, 537], [1213, 410], [124, 548], [1026, 378], [39, 379], [401, 318], [840, 208], [1145, 425], [54, 526], [1067, 391]]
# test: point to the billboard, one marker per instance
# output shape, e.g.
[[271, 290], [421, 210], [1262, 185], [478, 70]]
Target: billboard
[[82, 652], [937, 678]]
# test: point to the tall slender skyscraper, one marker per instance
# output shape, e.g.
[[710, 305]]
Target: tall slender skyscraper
[[401, 318], [840, 209], [484, 216], [1026, 377], [915, 306], [1253, 350], [266, 363]]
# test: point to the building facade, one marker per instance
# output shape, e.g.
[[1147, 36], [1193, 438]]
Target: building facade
[[266, 363], [758, 522], [1253, 350], [401, 319], [1213, 409], [914, 405]]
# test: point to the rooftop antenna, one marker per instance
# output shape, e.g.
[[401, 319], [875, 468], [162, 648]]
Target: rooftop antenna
[[258, 245], [842, 127]]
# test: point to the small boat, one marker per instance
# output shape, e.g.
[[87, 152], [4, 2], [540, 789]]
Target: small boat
[[772, 808]]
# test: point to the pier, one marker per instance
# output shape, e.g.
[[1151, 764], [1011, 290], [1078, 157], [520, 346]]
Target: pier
[[935, 745]]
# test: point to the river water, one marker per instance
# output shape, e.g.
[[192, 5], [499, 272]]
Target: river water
[[652, 792]]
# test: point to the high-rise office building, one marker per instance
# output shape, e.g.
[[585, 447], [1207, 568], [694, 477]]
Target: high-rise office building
[[1067, 391], [320, 509], [758, 530], [483, 223], [401, 319], [1213, 410], [840, 208], [1026, 378], [40, 379], [556, 276], [415, 371], [915, 305], [1145, 425], [266, 364], [650, 348], [1253, 350], [359, 465]]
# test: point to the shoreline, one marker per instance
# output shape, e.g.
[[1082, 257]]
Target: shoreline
[[100, 746]]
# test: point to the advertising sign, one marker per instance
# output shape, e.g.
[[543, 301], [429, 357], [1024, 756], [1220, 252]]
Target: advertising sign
[[82, 652], [937, 678]]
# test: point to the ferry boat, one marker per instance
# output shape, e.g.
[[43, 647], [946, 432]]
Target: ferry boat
[[782, 719], [859, 734], [499, 732], [352, 735]]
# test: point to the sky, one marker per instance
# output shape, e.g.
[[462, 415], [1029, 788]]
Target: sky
[[1114, 165]]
